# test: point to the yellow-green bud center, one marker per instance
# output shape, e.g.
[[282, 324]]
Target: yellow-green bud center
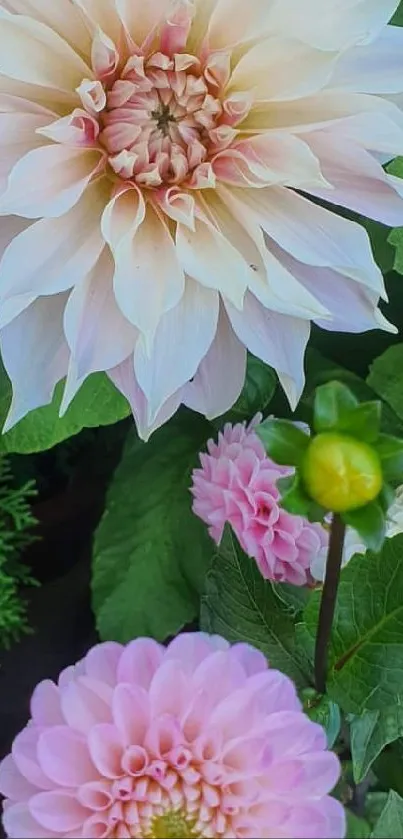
[[341, 473], [175, 824]]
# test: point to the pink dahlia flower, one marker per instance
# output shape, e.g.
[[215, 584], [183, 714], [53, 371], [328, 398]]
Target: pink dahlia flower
[[153, 155], [197, 740], [237, 484]]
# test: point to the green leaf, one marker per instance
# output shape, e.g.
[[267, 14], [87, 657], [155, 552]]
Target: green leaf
[[390, 451], [284, 442], [370, 523], [257, 393], [357, 828], [151, 552], [98, 402], [397, 18], [363, 422], [241, 606], [366, 650], [333, 403], [320, 370], [322, 710], [386, 377], [390, 822], [295, 500], [370, 733], [384, 253]]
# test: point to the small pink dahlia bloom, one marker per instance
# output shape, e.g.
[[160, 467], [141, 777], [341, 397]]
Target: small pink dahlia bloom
[[237, 484], [199, 739], [153, 155]]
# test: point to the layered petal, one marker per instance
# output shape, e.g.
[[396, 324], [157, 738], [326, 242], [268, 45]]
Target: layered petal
[[36, 333], [374, 68], [62, 17], [191, 324], [124, 378]]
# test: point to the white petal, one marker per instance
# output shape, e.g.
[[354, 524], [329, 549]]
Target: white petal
[[278, 340], [140, 18], [338, 25], [61, 252], [17, 137], [101, 14], [358, 180], [375, 68], [233, 21], [208, 257], [221, 374], [32, 52], [148, 278], [278, 69], [375, 132], [353, 307], [124, 379], [98, 335], [182, 339], [312, 234], [61, 16], [48, 181], [122, 216], [35, 355]]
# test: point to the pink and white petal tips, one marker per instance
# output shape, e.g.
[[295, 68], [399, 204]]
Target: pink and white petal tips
[[193, 122], [198, 739], [237, 483]]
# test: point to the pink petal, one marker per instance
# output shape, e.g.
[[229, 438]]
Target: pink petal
[[18, 822], [169, 690], [13, 784], [63, 754], [101, 662], [57, 811], [131, 713], [140, 660], [68, 173], [45, 704], [25, 756], [272, 158], [190, 648], [106, 749], [83, 707]]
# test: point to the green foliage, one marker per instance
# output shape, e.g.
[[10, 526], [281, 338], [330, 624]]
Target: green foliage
[[366, 650], [97, 403], [283, 441], [396, 168], [357, 828], [370, 523], [386, 376], [241, 606], [16, 523], [370, 733], [322, 710], [150, 552], [390, 822]]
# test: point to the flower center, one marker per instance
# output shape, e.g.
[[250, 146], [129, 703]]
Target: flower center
[[160, 120], [173, 825]]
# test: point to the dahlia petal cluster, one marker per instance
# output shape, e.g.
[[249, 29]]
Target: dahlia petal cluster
[[237, 484], [153, 156], [199, 739]]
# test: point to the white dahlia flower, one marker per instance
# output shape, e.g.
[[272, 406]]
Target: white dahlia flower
[[152, 159]]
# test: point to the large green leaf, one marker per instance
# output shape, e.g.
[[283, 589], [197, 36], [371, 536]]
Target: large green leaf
[[151, 552], [366, 650], [97, 403], [396, 168], [397, 18], [386, 378], [241, 606], [390, 822], [357, 828], [370, 733]]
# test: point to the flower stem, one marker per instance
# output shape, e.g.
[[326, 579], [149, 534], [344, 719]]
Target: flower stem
[[328, 601]]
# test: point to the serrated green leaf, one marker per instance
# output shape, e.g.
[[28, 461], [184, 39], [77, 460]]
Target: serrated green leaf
[[98, 402], [390, 451], [370, 523], [151, 552], [386, 377], [357, 828], [390, 822], [370, 733], [257, 393], [241, 606], [283, 441], [333, 403], [366, 650]]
